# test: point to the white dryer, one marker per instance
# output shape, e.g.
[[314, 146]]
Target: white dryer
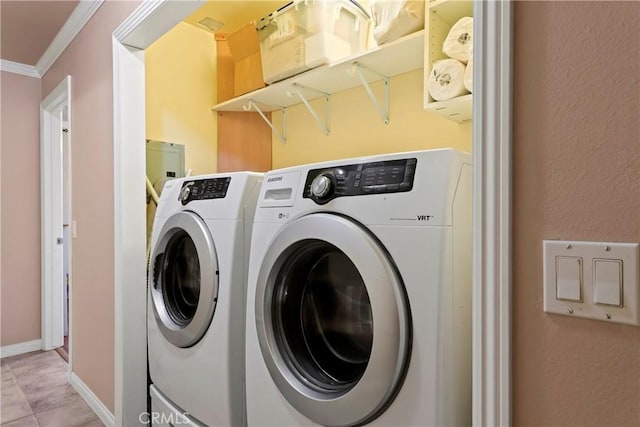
[[196, 299], [359, 293]]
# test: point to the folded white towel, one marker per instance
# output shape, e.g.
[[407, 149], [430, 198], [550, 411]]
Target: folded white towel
[[446, 80], [459, 41]]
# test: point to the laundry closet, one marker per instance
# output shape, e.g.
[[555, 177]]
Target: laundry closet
[[323, 114], [307, 305]]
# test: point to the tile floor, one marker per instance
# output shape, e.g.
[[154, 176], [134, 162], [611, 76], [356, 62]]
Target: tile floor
[[35, 392]]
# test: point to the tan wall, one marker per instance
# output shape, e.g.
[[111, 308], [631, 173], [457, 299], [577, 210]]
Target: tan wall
[[88, 60], [20, 277], [358, 130], [181, 88], [576, 177]]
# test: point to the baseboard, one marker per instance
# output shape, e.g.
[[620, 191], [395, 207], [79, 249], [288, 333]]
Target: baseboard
[[20, 348], [92, 400]]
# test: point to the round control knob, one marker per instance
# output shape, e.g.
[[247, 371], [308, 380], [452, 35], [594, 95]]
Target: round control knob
[[184, 193], [321, 186]]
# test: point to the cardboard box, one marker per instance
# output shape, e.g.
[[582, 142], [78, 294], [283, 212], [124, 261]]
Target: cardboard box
[[245, 51]]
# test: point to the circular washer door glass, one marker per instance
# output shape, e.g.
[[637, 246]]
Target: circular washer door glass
[[183, 278], [181, 284]]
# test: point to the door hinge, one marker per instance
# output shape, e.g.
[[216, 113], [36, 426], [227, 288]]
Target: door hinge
[[59, 240]]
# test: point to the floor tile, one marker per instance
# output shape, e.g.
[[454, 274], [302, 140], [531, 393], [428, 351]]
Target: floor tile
[[44, 399], [75, 412], [37, 382], [12, 359], [38, 363], [94, 423], [13, 404], [28, 421], [6, 376]]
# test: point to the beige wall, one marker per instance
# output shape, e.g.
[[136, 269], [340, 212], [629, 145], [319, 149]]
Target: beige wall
[[88, 60], [576, 177], [358, 130], [181, 88], [20, 259]]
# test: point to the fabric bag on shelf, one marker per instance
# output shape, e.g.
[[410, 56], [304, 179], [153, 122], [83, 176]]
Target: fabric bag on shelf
[[393, 19]]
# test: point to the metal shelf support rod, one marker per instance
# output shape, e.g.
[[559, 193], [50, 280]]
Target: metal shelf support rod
[[298, 88], [383, 110], [283, 136]]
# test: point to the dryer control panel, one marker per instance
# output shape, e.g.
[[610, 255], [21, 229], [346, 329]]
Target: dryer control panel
[[204, 189], [392, 176]]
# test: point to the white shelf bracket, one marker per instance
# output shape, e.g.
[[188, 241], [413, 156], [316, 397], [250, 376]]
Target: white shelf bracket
[[297, 90], [383, 110], [283, 136]]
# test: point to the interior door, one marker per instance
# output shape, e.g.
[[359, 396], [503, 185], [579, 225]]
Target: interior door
[[183, 279], [333, 320]]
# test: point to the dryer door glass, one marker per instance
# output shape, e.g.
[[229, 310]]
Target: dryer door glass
[[323, 316], [183, 277], [333, 320]]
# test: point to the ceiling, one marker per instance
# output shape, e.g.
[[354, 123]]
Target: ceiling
[[233, 14], [28, 27]]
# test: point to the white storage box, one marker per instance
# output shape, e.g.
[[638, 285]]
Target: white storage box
[[307, 33]]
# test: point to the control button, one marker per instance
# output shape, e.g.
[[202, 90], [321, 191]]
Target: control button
[[357, 183], [368, 189], [393, 187], [607, 282]]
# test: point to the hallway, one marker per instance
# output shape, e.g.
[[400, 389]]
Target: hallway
[[35, 392]]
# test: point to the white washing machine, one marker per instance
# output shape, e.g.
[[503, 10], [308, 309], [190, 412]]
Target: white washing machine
[[359, 293], [196, 303]]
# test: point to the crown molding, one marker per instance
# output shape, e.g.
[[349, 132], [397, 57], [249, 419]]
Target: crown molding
[[152, 19], [18, 68], [77, 20]]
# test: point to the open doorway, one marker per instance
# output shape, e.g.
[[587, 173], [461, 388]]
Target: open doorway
[[66, 234], [491, 206], [57, 225]]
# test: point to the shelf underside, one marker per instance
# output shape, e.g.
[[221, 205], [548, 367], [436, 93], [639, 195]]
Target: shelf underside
[[395, 58]]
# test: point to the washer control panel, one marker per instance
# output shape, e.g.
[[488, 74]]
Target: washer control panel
[[391, 176], [204, 189]]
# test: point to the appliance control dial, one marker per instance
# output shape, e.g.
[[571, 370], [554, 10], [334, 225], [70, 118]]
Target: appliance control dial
[[321, 186], [185, 193]]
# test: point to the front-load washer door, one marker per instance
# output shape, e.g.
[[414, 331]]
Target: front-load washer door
[[333, 320], [183, 279]]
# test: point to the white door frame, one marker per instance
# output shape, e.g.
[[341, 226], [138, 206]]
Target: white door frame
[[491, 206], [52, 200], [492, 123]]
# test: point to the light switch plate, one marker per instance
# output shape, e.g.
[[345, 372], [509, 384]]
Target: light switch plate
[[629, 256]]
